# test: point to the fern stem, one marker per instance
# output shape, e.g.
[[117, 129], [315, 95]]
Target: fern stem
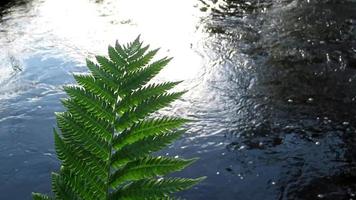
[[111, 146]]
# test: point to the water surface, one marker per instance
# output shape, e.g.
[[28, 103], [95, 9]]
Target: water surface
[[271, 88]]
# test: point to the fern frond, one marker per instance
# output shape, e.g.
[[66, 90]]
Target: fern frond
[[145, 108], [81, 161], [75, 132], [110, 67], [97, 87], [120, 50], [133, 47], [148, 167], [137, 79], [142, 148], [90, 103], [97, 126], [107, 134], [154, 188], [61, 188], [100, 74], [139, 53], [140, 59], [116, 58], [146, 128], [38, 196], [81, 186], [143, 94]]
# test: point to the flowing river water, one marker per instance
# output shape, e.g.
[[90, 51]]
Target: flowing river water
[[272, 89]]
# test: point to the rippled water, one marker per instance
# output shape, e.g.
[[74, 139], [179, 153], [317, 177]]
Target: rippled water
[[272, 89]]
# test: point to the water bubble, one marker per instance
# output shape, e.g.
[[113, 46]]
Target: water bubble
[[290, 100], [345, 123], [176, 156], [320, 196], [317, 142], [328, 58], [273, 183], [242, 147], [217, 173], [310, 100]]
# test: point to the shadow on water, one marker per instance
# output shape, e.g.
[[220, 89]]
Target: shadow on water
[[5, 5], [10, 3], [294, 93]]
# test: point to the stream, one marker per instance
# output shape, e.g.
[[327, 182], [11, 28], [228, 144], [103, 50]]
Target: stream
[[271, 89]]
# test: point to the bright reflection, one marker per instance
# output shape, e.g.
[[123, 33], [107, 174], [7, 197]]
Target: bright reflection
[[70, 31], [82, 25]]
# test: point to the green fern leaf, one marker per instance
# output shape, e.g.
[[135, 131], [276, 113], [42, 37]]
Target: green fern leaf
[[73, 131], [119, 61], [154, 188], [121, 51], [142, 148], [97, 87], [139, 53], [110, 67], [145, 108], [144, 93], [140, 59], [37, 196], [137, 79], [107, 134], [148, 168], [61, 189], [146, 128], [100, 74], [133, 47]]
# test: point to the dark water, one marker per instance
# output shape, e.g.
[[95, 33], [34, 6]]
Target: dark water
[[272, 87]]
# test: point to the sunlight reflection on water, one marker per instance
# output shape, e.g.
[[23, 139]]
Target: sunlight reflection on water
[[87, 26]]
